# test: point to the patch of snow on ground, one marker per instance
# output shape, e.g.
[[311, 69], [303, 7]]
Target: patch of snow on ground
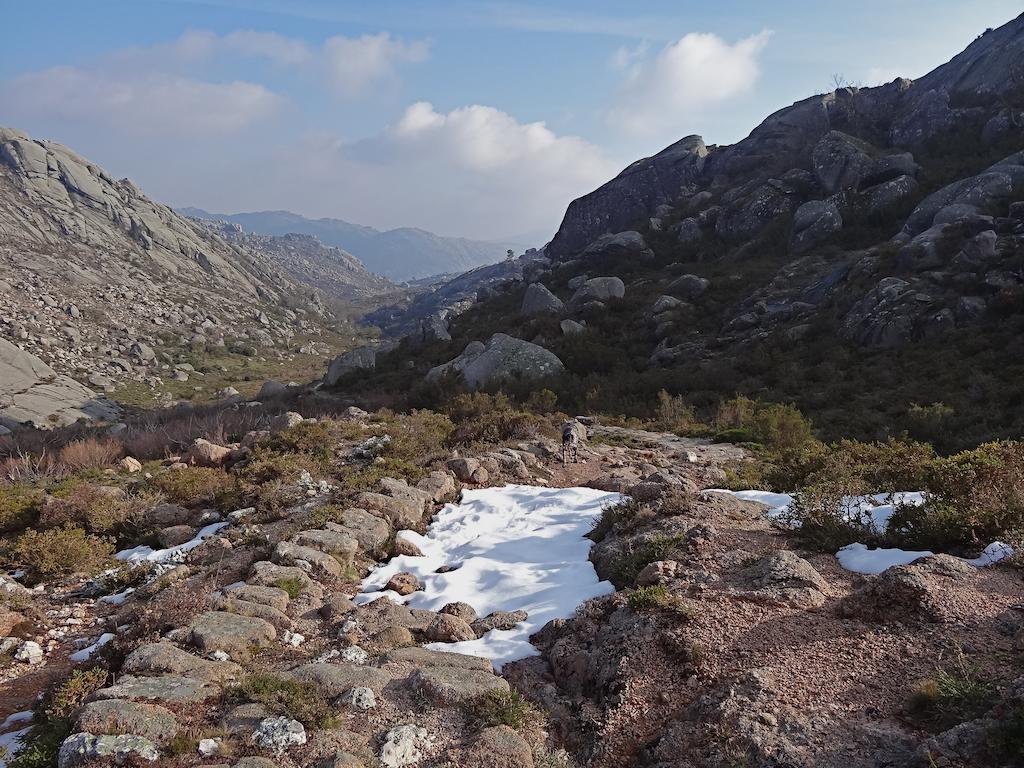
[[519, 547], [10, 741], [859, 559], [879, 508], [87, 653], [171, 554]]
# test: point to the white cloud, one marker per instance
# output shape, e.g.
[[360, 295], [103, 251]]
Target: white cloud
[[354, 63], [146, 104], [475, 171], [696, 71], [278, 48], [625, 57]]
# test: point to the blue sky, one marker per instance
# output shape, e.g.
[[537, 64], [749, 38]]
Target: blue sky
[[481, 119]]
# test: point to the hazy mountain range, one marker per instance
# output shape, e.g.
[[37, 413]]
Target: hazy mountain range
[[399, 254]]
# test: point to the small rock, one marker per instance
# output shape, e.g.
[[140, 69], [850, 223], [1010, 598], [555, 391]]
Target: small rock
[[404, 583], [360, 698], [278, 734], [403, 745], [29, 652]]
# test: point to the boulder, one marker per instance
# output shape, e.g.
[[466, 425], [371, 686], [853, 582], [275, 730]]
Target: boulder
[[32, 393], [598, 289], [538, 300], [115, 716], [363, 358], [814, 222], [448, 686], [785, 578], [688, 286], [236, 635], [271, 390], [840, 161], [166, 689], [571, 327], [502, 358], [336, 678], [447, 628], [403, 745], [83, 748], [167, 659], [622, 245], [278, 734], [498, 747], [203, 453]]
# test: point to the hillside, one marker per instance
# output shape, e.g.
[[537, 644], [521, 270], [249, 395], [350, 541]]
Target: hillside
[[399, 254], [110, 287], [859, 254]]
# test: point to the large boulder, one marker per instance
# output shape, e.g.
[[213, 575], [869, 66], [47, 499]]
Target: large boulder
[[598, 289], [621, 245], [359, 359], [813, 222], [840, 161], [502, 358], [31, 392], [538, 300]]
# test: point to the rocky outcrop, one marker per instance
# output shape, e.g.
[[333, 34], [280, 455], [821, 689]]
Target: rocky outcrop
[[502, 357], [630, 197], [32, 393]]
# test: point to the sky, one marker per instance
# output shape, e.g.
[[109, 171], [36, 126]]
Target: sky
[[480, 119]]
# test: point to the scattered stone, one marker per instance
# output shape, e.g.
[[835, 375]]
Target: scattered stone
[[114, 716], [229, 632], [81, 748], [130, 465], [447, 628], [404, 745], [360, 698], [404, 584], [448, 686], [29, 652], [278, 734]]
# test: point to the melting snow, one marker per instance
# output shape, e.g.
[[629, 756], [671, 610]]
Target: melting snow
[[518, 547], [879, 508], [171, 554], [87, 653], [10, 741]]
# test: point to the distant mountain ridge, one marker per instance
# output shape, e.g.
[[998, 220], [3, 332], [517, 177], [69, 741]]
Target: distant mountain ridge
[[405, 253]]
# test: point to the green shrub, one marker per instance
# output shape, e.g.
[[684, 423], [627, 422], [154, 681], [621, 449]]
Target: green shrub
[[628, 565], [70, 694], [656, 598], [98, 511], [293, 586], [483, 418], [60, 551], [674, 414], [302, 701], [614, 516], [503, 708], [952, 696], [18, 506], [198, 485]]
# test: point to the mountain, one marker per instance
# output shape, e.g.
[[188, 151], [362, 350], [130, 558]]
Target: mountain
[[104, 284], [397, 254], [336, 273], [860, 254]]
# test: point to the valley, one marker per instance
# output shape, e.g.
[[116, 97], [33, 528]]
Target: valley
[[728, 473]]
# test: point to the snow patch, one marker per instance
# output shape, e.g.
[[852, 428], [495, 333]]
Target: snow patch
[[519, 547], [87, 653], [11, 741], [171, 554]]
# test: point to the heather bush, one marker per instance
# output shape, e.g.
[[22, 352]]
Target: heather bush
[[59, 552], [90, 453], [198, 485], [483, 418]]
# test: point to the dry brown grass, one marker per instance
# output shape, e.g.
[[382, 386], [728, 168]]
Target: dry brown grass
[[90, 453]]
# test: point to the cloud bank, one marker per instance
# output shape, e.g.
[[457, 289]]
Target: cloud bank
[[695, 72]]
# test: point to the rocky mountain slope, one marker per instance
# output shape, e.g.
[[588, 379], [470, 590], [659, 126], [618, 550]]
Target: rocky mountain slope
[[399, 254], [336, 273], [866, 243], [107, 285]]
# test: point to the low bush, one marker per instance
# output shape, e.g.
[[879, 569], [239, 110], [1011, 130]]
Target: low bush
[[98, 510], [59, 552], [613, 517], [90, 453], [198, 485], [293, 586], [656, 598], [305, 702], [18, 506], [628, 565], [504, 708], [483, 418], [954, 695]]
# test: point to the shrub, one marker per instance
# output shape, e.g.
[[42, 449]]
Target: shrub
[[268, 466], [483, 418], [674, 414], [628, 565], [198, 485], [952, 695], [90, 453], [18, 505], [614, 516], [541, 401], [293, 586], [98, 510], [656, 597], [305, 702], [69, 695], [503, 708], [61, 551]]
